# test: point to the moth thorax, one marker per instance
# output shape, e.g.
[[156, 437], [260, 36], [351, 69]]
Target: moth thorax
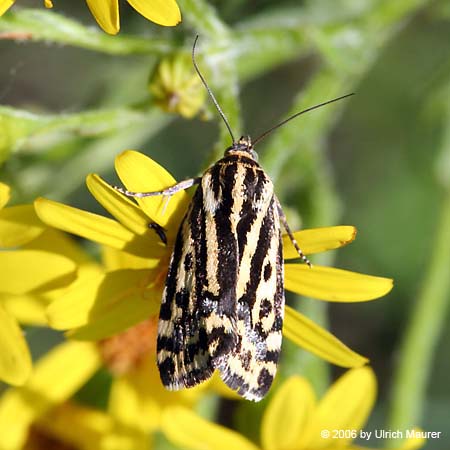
[[126, 351], [244, 144]]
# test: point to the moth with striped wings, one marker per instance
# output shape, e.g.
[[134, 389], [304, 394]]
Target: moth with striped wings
[[223, 302]]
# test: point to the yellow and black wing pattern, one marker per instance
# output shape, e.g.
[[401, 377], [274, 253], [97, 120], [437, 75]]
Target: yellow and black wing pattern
[[223, 302]]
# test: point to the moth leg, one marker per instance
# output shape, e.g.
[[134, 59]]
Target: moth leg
[[181, 186], [159, 230], [166, 204], [291, 235]]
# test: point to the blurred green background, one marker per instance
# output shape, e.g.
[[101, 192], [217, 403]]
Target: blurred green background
[[379, 160]]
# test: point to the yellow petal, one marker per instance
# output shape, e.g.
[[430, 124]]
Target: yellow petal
[[31, 270], [114, 259], [288, 414], [216, 384], [76, 427], [63, 370], [30, 308], [55, 378], [56, 241], [101, 300], [126, 405], [139, 173], [317, 240], [123, 315], [5, 5], [15, 359], [334, 285], [416, 441], [138, 398], [106, 13], [310, 336], [122, 438], [119, 206], [189, 431], [353, 395], [27, 309], [96, 228], [19, 225], [5, 191], [162, 12], [48, 3], [134, 399], [58, 299]]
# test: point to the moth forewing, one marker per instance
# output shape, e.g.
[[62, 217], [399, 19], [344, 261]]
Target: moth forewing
[[223, 301], [194, 328]]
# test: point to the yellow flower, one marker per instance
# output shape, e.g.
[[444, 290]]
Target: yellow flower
[[130, 290], [28, 273], [41, 415], [137, 395], [106, 12], [293, 420]]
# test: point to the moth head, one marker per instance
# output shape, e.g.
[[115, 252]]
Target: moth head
[[244, 144]]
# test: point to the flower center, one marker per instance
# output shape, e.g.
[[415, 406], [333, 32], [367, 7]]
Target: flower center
[[125, 351]]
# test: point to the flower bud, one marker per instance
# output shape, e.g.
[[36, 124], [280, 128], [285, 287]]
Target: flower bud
[[175, 86]]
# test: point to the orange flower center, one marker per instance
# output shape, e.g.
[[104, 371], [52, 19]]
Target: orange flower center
[[125, 351]]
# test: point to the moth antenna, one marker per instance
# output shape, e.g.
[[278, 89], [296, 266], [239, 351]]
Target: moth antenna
[[216, 104], [262, 136]]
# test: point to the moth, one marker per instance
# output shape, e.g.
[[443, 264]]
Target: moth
[[223, 302]]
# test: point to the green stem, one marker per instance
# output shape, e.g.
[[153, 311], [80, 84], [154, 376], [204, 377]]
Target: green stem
[[18, 126], [40, 25], [258, 51], [422, 334], [203, 18]]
